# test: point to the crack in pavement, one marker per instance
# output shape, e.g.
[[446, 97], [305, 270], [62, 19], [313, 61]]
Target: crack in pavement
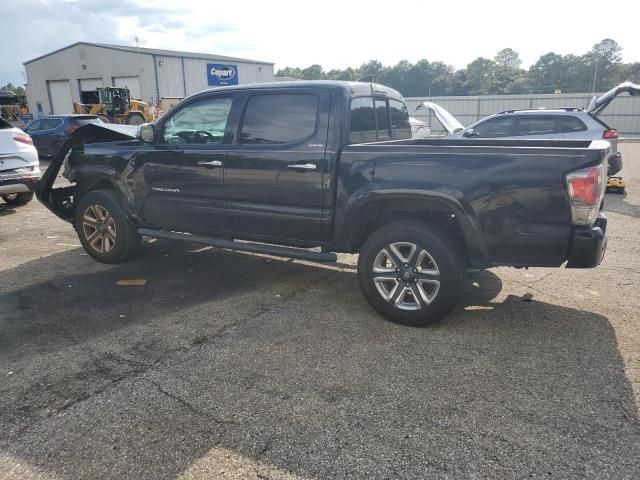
[[189, 406]]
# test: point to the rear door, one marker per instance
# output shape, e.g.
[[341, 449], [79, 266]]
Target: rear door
[[274, 171]]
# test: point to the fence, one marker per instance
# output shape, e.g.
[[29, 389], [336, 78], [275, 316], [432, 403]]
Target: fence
[[622, 114]]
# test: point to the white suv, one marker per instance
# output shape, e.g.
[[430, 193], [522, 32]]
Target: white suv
[[19, 165]]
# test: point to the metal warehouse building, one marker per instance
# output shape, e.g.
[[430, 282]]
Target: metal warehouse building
[[56, 80]]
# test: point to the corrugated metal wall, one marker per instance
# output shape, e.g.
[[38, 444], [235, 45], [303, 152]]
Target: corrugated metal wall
[[622, 114], [176, 76]]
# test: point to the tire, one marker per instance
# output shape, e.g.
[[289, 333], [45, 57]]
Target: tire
[[420, 294], [135, 119], [18, 199], [105, 231], [104, 118]]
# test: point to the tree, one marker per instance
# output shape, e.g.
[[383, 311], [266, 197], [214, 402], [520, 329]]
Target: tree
[[508, 58], [19, 90], [503, 74], [314, 72], [372, 67], [602, 62], [289, 72]]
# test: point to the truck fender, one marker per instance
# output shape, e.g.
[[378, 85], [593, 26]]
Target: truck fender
[[359, 203], [60, 200]]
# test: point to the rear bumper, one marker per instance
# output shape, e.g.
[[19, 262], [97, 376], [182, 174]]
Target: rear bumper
[[588, 245], [19, 183]]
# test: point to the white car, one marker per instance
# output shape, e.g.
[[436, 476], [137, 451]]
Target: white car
[[19, 165]]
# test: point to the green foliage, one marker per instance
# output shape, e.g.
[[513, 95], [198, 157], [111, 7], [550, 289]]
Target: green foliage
[[502, 74]]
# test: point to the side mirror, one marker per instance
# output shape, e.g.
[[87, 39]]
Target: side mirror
[[146, 132], [470, 133]]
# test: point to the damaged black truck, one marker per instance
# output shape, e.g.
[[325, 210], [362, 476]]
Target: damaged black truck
[[310, 169]]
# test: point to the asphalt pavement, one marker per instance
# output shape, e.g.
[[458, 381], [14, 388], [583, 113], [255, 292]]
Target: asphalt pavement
[[233, 365]]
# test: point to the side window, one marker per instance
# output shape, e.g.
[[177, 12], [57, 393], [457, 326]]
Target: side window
[[202, 122], [363, 120], [536, 125], [494, 127], [400, 127], [382, 119], [279, 118], [571, 124], [50, 123], [34, 126]]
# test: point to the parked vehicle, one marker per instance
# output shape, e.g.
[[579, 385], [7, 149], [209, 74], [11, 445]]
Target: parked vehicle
[[49, 133], [19, 165], [560, 123], [115, 105], [331, 164]]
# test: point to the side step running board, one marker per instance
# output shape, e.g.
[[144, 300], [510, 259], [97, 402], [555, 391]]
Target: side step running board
[[289, 252]]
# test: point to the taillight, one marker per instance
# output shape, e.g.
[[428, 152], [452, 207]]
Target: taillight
[[586, 190], [71, 128], [610, 134], [23, 138]]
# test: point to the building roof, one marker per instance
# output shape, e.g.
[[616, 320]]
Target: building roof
[[154, 51]]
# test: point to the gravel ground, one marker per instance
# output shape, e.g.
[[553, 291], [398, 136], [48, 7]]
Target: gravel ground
[[230, 365]]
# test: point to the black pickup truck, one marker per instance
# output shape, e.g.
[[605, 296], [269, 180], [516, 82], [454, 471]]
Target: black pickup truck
[[307, 169]]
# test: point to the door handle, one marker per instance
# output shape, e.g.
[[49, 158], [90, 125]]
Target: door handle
[[303, 166], [211, 163]]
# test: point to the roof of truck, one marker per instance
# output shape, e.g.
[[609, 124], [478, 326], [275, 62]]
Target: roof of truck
[[356, 88]]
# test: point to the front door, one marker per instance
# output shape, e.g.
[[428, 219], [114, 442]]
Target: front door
[[274, 171], [184, 170]]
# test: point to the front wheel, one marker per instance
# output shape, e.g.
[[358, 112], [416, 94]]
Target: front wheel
[[104, 229], [409, 274]]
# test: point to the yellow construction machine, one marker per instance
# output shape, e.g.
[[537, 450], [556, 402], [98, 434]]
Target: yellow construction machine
[[115, 105]]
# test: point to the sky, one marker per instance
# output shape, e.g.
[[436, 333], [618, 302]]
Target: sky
[[334, 34]]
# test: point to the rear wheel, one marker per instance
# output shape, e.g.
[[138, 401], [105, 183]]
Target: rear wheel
[[17, 199], [104, 229], [409, 274]]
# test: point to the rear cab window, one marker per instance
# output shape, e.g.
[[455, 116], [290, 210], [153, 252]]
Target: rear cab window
[[382, 119], [279, 118], [363, 120], [378, 118], [400, 126]]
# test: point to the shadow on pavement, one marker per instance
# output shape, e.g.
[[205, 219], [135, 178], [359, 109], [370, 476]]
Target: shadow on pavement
[[316, 386], [617, 203]]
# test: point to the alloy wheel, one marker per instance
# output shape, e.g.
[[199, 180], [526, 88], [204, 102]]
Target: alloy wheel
[[99, 228], [406, 276]]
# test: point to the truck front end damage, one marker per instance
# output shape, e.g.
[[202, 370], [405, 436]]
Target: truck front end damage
[[60, 200]]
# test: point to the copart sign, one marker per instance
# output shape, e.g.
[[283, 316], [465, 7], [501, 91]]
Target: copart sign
[[218, 74]]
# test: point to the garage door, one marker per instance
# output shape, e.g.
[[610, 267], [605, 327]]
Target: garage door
[[90, 84], [60, 97], [132, 83]]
